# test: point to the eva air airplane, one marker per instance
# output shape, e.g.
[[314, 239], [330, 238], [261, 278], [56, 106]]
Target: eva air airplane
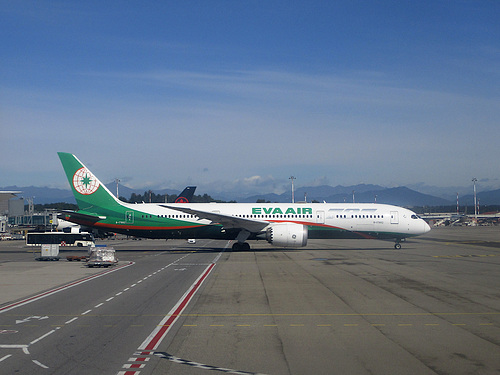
[[281, 224]]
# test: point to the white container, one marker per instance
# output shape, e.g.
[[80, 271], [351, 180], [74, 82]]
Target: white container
[[50, 250]]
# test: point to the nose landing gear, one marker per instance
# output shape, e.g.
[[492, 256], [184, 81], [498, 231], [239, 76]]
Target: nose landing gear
[[398, 241], [397, 245]]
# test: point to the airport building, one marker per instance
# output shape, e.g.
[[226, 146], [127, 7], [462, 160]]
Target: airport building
[[14, 217], [5, 201]]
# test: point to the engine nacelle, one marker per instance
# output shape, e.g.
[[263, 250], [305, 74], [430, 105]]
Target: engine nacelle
[[287, 235]]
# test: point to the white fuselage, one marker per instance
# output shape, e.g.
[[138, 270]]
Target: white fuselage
[[352, 217]]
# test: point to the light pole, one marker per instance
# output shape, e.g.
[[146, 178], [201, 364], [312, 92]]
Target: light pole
[[293, 194], [474, 180], [117, 182]]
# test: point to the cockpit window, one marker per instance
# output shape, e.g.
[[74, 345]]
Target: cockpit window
[[415, 217]]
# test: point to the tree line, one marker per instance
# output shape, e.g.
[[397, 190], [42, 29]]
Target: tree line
[[151, 197]]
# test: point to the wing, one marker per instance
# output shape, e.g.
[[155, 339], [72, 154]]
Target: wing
[[227, 221]]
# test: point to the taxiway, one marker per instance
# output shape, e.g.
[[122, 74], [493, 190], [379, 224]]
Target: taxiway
[[334, 307]]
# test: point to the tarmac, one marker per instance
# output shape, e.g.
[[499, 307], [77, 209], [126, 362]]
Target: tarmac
[[21, 275], [335, 306]]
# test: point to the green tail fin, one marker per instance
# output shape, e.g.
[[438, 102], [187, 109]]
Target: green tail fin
[[90, 194]]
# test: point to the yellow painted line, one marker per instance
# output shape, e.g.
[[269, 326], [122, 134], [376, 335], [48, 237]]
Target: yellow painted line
[[216, 325], [293, 315], [486, 324], [431, 324], [190, 325], [270, 325], [351, 325], [137, 325], [323, 325], [243, 325], [296, 325], [404, 325], [378, 325], [458, 324]]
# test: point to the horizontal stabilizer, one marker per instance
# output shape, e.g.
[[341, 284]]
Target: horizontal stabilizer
[[80, 218]]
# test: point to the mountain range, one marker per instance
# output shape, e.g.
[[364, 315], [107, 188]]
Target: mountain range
[[363, 193]]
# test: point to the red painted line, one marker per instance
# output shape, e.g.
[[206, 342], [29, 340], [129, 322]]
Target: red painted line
[[59, 289], [152, 342]]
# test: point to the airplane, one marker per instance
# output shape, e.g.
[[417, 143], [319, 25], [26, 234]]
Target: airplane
[[67, 226], [186, 195], [287, 225]]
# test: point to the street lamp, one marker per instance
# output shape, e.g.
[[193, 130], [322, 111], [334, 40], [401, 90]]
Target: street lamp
[[293, 194], [117, 182], [474, 180]]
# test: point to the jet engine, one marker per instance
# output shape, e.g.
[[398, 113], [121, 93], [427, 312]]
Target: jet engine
[[287, 235]]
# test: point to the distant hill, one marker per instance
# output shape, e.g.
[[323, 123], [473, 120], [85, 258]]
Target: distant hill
[[363, 193], [310, 193], [400, 196], [485, 198], [43, 195]]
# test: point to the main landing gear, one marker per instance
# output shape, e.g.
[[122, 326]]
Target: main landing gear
[[397, 245], [241, 246], [240, 243]]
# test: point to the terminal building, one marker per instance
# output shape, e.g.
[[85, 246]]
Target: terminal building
[[5, 207], [14, 217]]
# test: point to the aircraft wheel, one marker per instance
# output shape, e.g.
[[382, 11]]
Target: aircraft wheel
[[241, 246], [397, 246]]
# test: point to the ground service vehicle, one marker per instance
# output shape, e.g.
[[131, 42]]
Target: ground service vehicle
[[60, 238], [101, 256]]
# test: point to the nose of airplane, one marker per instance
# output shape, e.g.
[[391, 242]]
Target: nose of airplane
[[427, 227]]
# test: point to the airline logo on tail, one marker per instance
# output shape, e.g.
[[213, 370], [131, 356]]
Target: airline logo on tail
[[85, 182]]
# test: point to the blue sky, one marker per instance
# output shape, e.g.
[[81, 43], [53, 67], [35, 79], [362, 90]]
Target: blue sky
[[226, 94]]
